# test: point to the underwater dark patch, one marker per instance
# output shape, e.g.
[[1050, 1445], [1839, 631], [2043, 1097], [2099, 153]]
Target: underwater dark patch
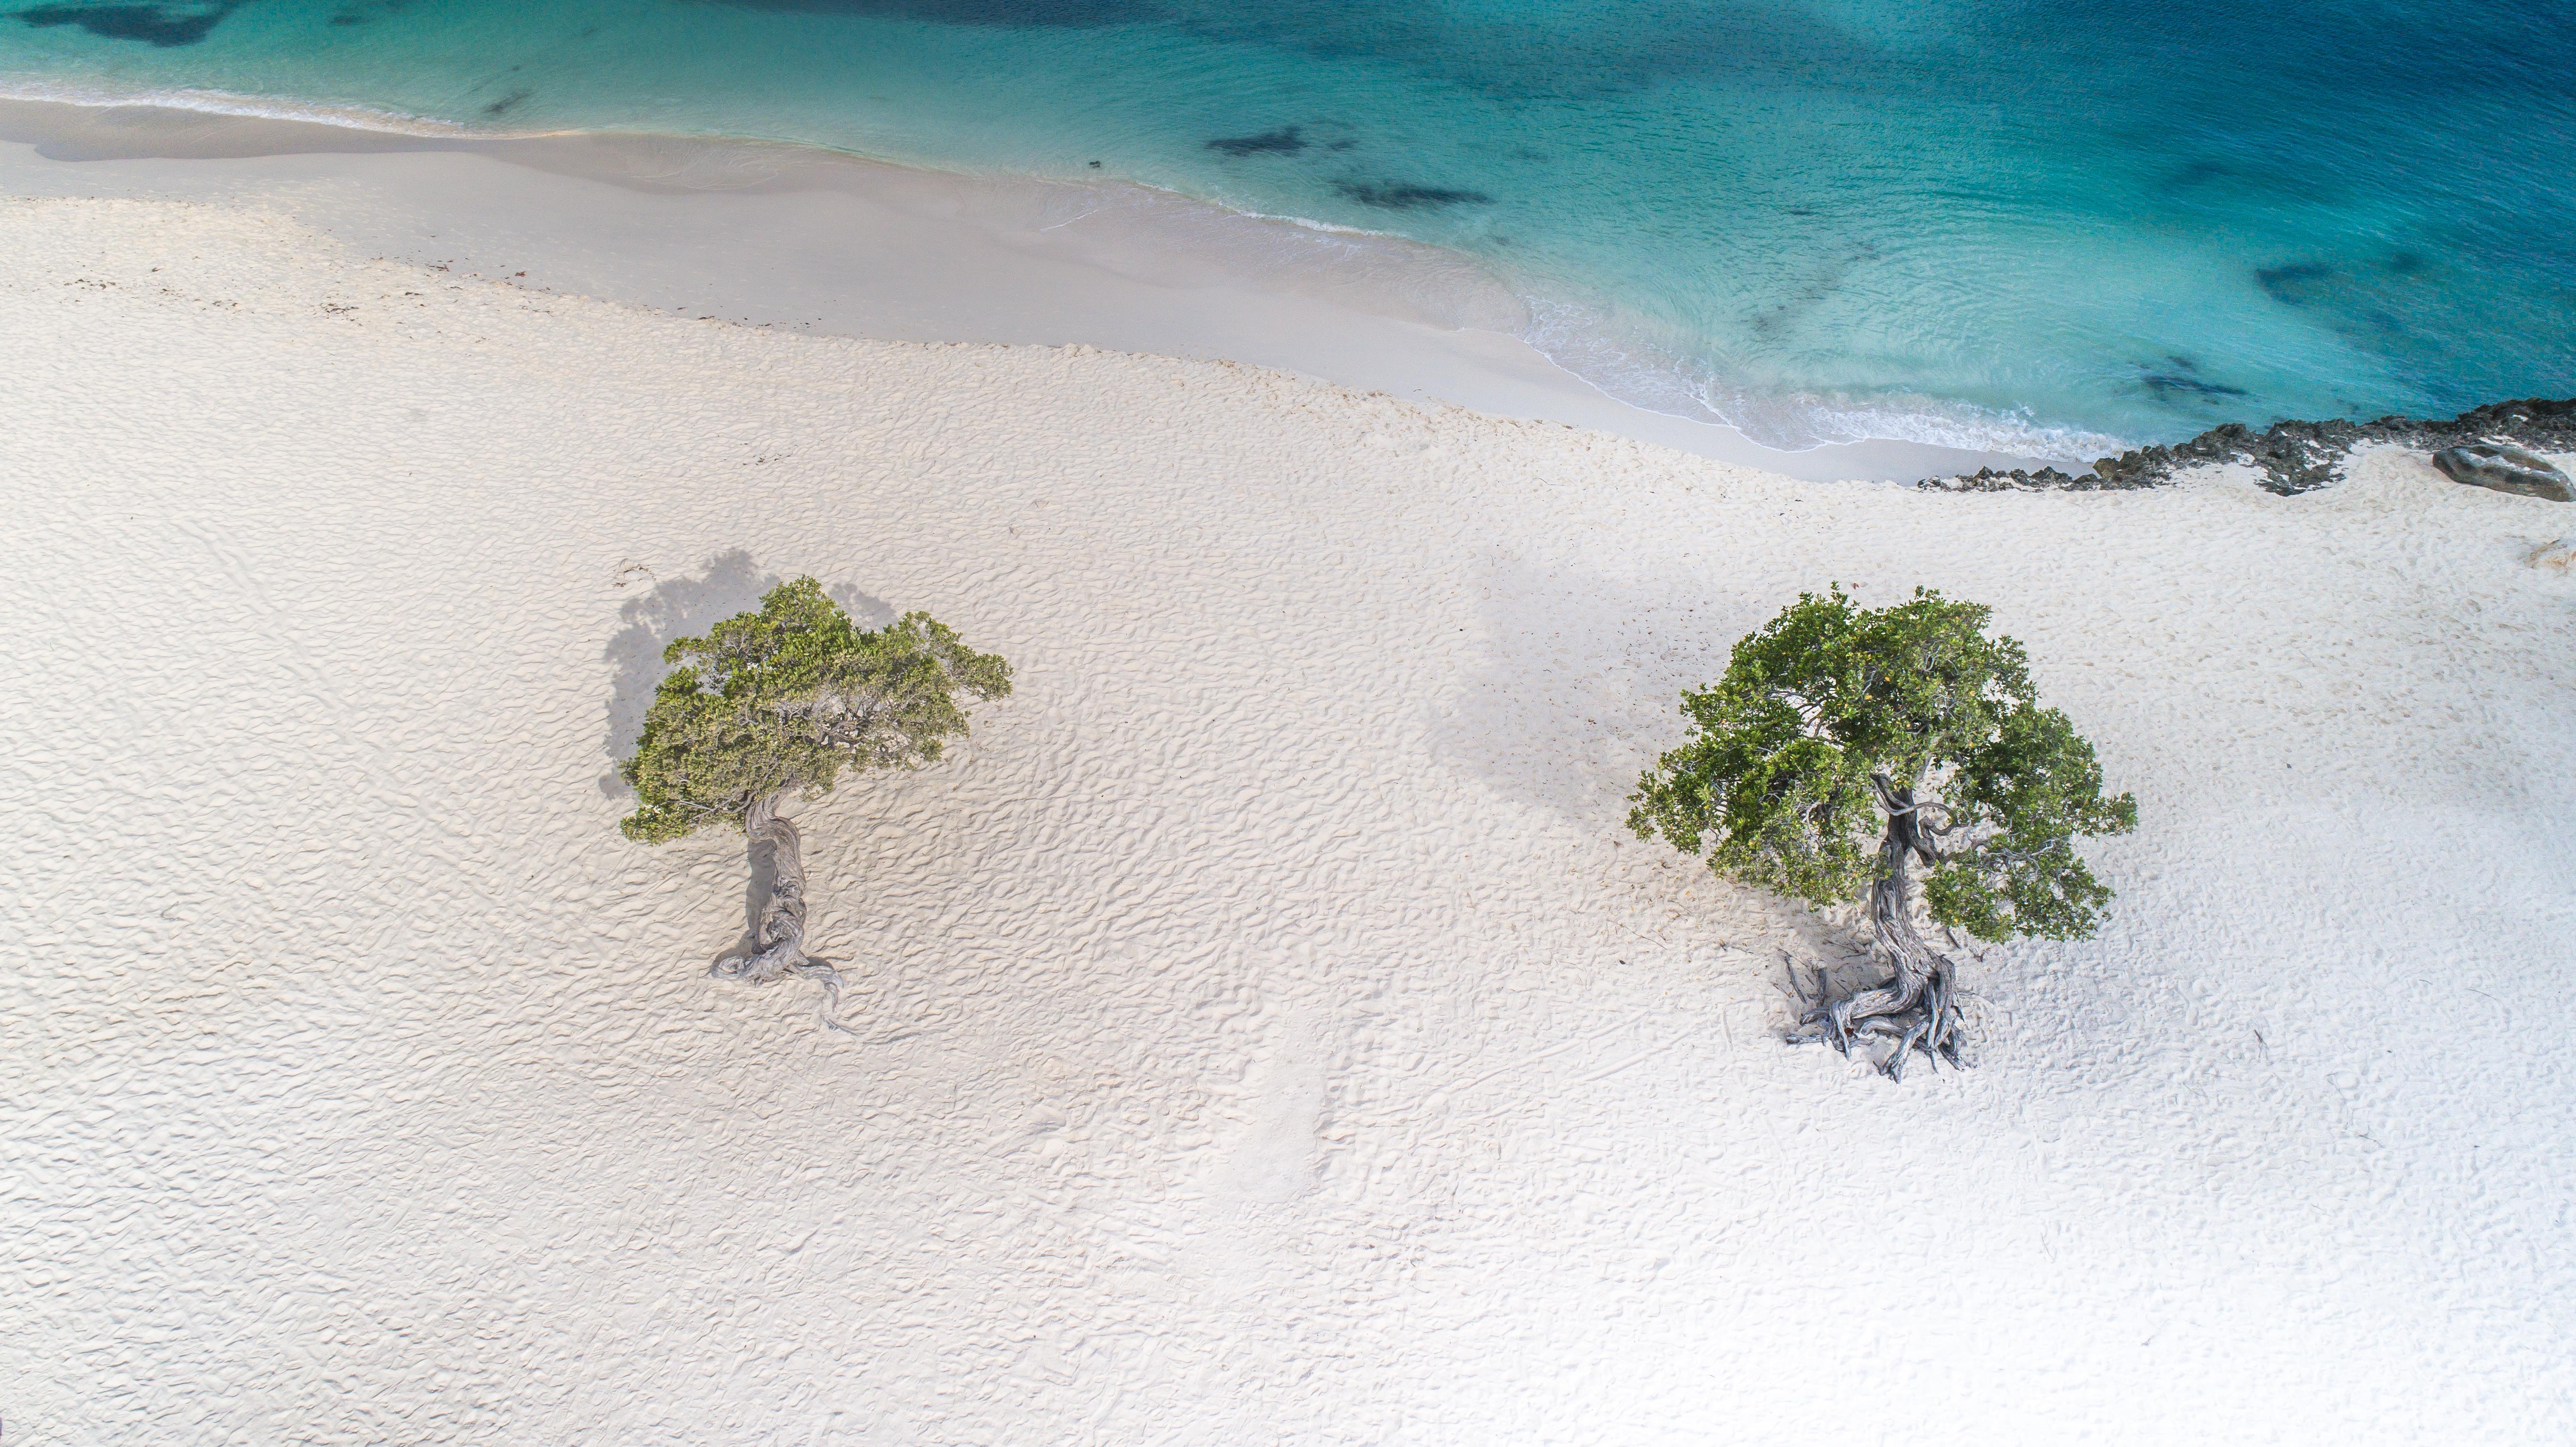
[[2199, 173], [1282, 142], [2288, 285], [507, 102], [1394, 196], [1060, 13], [2166, 384], [166, 26]]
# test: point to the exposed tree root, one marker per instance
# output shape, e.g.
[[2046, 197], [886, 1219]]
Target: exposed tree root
[[1909, 1013], [779, 941], [1917, 1008]]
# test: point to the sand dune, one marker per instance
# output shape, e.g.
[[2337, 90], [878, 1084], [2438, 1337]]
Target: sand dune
[[1274, 1036]]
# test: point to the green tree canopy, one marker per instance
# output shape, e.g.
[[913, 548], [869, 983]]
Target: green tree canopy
[[783, 699], [1785, 752], [1844, 745]]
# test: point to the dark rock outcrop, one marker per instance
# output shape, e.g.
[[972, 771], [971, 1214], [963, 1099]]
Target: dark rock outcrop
[[2295, 457], [2506, 468]]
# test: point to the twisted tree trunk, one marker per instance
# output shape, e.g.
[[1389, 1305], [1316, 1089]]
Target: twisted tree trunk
[[1917, 1007], [778, 941]]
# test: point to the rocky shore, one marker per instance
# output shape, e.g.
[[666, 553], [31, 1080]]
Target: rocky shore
[[2294, 457]]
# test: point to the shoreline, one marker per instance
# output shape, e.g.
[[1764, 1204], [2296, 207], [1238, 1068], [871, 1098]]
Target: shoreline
[[800, 237]]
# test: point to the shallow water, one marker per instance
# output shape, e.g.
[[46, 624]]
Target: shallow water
[[1979, 224]]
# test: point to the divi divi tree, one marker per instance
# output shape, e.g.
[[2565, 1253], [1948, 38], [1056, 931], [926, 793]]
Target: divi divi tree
[[1845, 750], [779, 702]]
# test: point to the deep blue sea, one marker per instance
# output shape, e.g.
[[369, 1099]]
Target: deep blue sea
[[1814, 217]]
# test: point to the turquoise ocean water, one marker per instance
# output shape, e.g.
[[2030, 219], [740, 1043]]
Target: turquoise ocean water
[[1939, 219]]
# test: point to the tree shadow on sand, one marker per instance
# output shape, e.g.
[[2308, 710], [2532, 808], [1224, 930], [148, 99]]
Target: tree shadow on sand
[[1579, 688], [685, 607]]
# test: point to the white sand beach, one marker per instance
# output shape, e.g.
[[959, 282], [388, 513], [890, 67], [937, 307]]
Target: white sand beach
[[1270, 1032]]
